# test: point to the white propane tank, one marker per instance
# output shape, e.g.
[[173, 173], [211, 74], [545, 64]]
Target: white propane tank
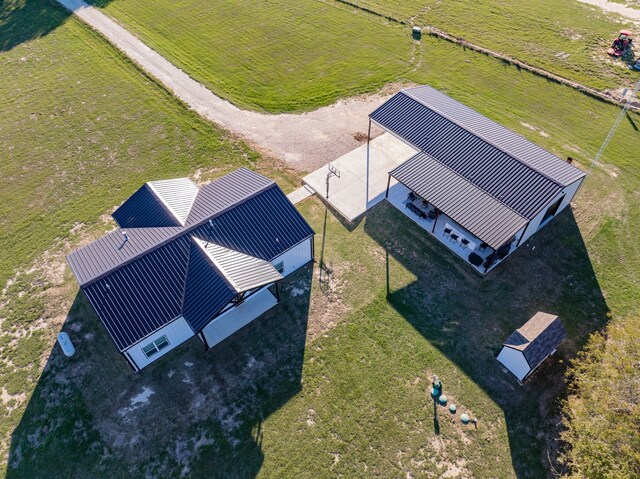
[[66, 344]]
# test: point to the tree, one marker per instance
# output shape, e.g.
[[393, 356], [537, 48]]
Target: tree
[[602, 412]]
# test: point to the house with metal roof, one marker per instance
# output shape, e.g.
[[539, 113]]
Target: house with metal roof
[[479, 188], [531, 344], [189, 261]]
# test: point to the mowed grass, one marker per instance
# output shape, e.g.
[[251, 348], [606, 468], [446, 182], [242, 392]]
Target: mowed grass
[[292, 56], [568, 38], [271, 55]]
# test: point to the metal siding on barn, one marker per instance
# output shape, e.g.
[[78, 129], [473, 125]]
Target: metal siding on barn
[[465, 203], [177, 332], [509, 180], [295, 257]]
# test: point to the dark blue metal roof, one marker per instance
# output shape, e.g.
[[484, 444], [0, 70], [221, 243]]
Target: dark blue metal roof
[[264, 226], [141, 297], [140, 285], [502, 174], [144, 210], [110, 252], [206, 291]]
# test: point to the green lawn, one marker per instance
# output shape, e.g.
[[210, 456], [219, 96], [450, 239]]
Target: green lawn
[[291, 56], [568, 38], [271, 55], [81, 129], [332, 382]]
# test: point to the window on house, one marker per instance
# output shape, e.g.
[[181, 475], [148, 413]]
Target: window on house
[[279, 266], [154, 347]]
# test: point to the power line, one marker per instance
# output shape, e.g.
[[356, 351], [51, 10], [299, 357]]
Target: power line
[[615, 126]]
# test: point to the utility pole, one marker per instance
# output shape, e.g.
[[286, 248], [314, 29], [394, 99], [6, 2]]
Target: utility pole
[[615, 125]]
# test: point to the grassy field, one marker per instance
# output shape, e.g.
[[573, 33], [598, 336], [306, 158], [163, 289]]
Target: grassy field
[[566, 37], [333, 381], [271, 55], [283, 56]]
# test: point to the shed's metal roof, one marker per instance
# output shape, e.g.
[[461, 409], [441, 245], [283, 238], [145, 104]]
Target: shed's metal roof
[[242, 271], [498, 173], [537, 338], [177, 195], [139, 285], [480, 213]]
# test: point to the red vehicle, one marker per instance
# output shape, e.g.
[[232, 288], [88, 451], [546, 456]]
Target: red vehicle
[[620, 45]]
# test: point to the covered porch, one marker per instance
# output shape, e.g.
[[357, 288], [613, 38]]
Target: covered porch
[[473, 250]]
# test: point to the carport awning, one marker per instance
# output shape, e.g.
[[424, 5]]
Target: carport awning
[[462, 201]]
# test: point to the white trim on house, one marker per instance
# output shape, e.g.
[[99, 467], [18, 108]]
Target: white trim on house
[[295, 257]]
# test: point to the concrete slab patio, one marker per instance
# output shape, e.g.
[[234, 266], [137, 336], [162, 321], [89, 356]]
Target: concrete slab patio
[[362, 184]]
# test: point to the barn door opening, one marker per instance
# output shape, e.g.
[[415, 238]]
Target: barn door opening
[[551, 211]]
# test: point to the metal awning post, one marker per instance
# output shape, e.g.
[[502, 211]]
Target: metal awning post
[[367, 185]]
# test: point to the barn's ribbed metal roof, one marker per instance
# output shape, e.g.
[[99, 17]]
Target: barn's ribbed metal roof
[[139, 285], [500, 174], [242, 271], [471, 207], [511, 143]]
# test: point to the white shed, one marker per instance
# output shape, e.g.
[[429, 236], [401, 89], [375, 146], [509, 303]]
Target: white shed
[[531, 344]]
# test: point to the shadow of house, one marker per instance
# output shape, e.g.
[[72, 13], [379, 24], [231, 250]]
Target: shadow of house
[[191, 411], [468, 317], [24, 20]]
